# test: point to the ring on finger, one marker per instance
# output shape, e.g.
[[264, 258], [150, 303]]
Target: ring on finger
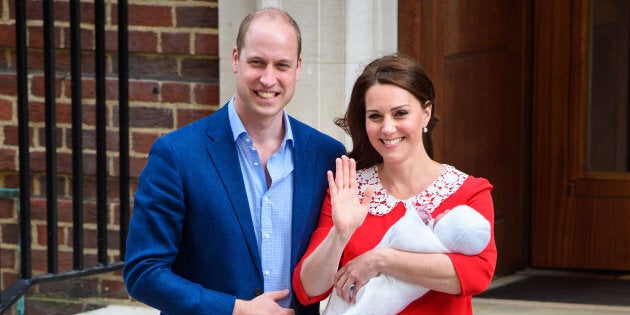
[[350, 286]]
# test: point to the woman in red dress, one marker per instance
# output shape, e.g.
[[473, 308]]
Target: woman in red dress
[[390, 118]]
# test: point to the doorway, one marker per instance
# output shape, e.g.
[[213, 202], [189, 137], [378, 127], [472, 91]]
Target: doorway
[[581, 176]]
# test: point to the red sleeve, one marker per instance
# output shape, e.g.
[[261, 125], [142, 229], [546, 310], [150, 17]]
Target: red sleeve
[[475, 272], [323, 227]]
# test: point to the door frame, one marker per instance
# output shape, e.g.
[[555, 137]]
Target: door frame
[[567, 231]]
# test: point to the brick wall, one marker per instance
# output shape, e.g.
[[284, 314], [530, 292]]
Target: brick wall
[[174, 77]]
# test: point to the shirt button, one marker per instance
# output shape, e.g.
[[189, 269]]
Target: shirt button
[[258, 292], [247, 140], [255, 163], [267, 272], [267, 235]]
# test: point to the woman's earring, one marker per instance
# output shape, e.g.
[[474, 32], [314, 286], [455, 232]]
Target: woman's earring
[[425, 130]]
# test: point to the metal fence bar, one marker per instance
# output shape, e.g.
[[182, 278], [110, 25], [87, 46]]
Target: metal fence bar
[[51, 135], [13, 293], [123, 112], [17, 289], [77, 135], [101, 135], [23, 140]]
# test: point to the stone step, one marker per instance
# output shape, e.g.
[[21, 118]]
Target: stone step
[[123, 310]]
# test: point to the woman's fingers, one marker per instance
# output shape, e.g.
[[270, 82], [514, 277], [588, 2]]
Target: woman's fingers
[[346, 286], [346, 171], [331, 182], [348, 210], [352, 173], [338, 172]]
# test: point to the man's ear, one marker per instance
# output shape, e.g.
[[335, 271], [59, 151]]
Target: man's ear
[[234, 60], [298, 69]]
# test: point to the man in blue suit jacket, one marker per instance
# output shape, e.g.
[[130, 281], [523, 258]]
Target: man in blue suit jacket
[[226, 205]]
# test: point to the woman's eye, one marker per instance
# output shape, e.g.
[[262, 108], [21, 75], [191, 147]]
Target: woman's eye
[[374, 116], [400, 113]]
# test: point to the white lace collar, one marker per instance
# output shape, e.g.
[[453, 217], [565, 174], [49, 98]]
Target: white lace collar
[[382, 202]]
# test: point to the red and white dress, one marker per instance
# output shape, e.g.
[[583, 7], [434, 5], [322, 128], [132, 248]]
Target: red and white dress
[[450, 189]]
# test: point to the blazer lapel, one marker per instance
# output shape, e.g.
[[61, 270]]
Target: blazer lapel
[[222, 151], [303, 188]]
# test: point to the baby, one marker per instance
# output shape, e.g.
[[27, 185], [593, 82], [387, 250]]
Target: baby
[[460, 230]]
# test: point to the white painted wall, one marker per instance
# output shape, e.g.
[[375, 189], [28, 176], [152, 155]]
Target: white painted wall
[[338, 38]]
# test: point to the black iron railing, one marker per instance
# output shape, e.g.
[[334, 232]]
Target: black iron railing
[[17, 289]]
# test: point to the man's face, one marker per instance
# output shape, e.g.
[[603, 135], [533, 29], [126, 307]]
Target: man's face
[[267, 69]]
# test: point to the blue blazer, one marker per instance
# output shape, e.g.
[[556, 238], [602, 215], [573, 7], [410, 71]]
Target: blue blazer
[[191, 247]]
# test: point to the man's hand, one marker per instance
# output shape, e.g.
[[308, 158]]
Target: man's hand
[[263, 304]]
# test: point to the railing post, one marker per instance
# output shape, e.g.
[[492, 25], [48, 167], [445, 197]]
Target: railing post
[[77, 135], [51, 135], [23, 139], [101, 131], [123, 111]]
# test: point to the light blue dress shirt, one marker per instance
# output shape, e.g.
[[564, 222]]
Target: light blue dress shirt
[[271, 208]]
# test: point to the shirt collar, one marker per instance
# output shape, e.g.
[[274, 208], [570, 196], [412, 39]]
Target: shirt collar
[[238, 129]]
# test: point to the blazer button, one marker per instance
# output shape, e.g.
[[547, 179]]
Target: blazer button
[[258, 292]]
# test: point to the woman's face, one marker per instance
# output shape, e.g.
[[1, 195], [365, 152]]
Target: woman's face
[[394, 120]]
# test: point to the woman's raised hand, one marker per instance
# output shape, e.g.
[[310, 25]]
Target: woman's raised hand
[[348, 211]]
